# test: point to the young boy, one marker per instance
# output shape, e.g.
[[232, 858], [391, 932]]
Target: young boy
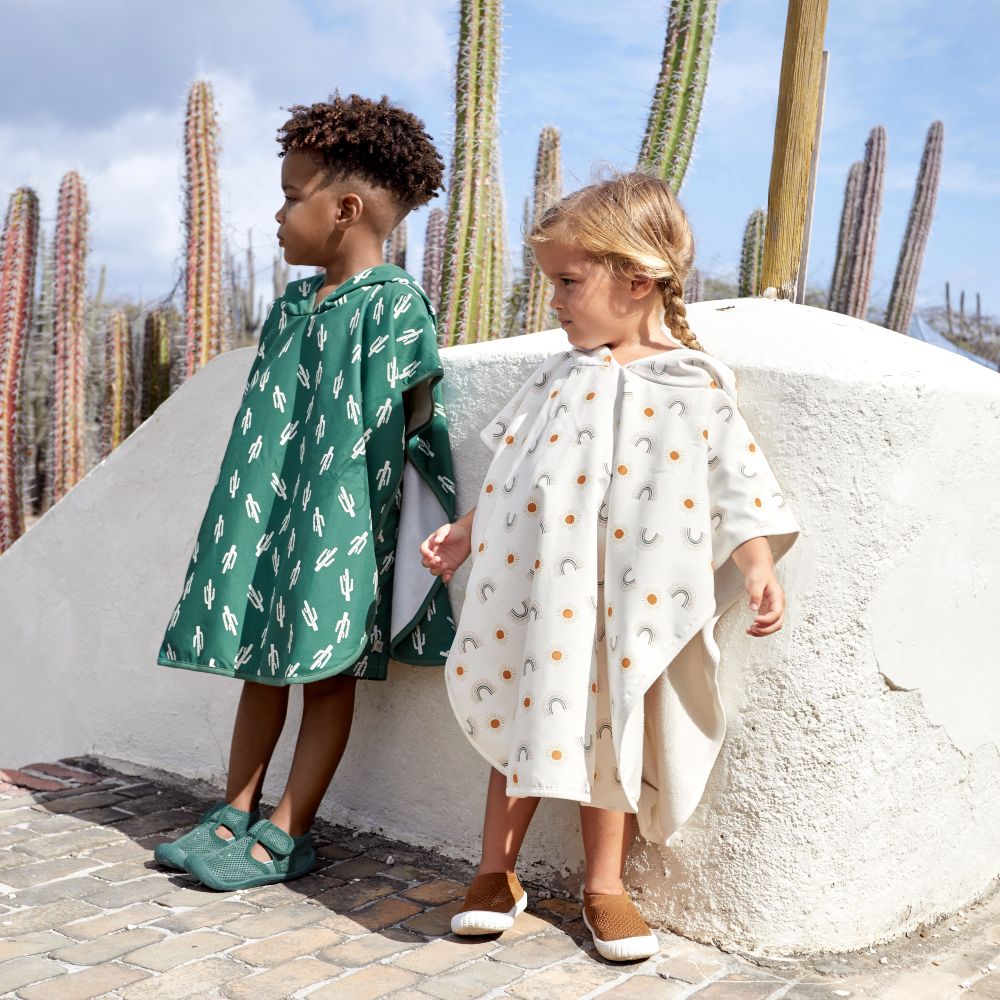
[[306, 567]]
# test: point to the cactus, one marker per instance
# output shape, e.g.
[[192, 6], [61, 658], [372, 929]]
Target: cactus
[[752, 255], [848, 213], [694, 286], [548, 189], [433, 255], [18, 254], [471, 307], [118, 410], [68, 457], [395, 246], [280, 275], [154, 384], [860, 250], [918, 227], [673, 117], [245, 307], [203, 301], [37, 389]]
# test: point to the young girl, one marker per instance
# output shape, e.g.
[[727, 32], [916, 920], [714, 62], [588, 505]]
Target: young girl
[[626, 504], [340, 446]]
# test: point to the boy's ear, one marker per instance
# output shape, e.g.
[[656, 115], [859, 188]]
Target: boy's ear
[[350, 209]]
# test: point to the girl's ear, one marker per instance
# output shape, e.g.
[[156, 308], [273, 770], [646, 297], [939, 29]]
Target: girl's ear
[[641, 285]]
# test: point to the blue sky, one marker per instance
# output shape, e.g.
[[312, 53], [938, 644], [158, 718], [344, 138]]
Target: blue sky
[[108, 99]]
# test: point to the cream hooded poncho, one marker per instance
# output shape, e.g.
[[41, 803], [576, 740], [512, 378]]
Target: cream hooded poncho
[[585, 664]]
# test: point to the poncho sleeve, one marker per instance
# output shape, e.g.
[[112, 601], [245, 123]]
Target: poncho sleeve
[[509, 421], [746, 500]]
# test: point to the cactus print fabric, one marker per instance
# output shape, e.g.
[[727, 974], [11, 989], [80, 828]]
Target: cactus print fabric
[[584, 665], [292, 574]]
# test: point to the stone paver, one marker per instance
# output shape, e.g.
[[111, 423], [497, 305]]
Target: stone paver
[[86, 984], [367, 984], [86, 913], [282, 981]]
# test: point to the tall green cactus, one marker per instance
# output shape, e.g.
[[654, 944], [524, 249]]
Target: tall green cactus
[[395, 246], [918, 228], [205, 314], [848, 213], [752, 254], [154, 384], [548, 189], [68, 452], [694, 286], [118, 409], [857, 268], [37, 388], [434, 255], [18, 255], [474, 254], [680, 89]]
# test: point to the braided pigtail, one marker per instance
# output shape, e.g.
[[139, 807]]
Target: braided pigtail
[[675, 312]]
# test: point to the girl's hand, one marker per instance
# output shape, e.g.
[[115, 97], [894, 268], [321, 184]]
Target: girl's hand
[[444, 550], [767, 599]]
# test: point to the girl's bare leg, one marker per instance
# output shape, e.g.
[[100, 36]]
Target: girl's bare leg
[[607, 836], [260, 718], [327, 713], [504, 826]]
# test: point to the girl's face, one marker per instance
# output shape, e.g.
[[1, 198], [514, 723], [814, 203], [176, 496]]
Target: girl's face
[[594, 307]]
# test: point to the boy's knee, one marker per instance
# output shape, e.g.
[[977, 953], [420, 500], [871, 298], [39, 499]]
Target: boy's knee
[[342, 685]]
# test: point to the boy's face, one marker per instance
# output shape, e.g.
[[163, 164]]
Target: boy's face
[[315, 213]]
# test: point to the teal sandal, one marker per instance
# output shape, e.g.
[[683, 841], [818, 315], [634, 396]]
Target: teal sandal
[[203, 839], [234, 867]]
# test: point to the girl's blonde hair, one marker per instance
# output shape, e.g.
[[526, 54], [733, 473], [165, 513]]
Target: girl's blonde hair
[[633, 224]]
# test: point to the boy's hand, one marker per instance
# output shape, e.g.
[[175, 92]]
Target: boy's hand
[[767, 599], [446, 549]]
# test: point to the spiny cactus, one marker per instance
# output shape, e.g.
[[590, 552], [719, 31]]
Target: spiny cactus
[[548, 189], [18, 254], [203, 305], [157, 338], [433, 255], [853, 298], [471, 307], [68, 453], [918, 228], [395, 246], [694, 286], [673, 117], [38, 389], [848, 213], [752, 255], [118, 411]]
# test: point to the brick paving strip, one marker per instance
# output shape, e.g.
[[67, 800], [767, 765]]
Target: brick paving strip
[[85, 913]]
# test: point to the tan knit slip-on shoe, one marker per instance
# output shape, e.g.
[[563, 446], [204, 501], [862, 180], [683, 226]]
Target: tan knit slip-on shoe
[[491, 905], [620, 934]]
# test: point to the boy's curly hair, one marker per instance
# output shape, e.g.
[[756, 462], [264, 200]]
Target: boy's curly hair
[[382, 144]]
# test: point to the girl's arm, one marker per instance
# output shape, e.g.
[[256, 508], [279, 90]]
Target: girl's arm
[[444, 550]]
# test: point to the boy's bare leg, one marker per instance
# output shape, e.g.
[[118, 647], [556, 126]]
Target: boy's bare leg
[[327, 713], [607, 836], [504, 826], [260, 718]]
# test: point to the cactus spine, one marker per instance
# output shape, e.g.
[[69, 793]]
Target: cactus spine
[[852, 193], [471, 309], [433, 255], [118, 411], [680, 89], [395, 246], [156, 342], [752, 255], [204, 311], [548, 189], [918, 227], [68, 459], [18, 254]]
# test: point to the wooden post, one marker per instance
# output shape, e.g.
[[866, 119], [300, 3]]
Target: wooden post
[[794, 136], [800, 284]]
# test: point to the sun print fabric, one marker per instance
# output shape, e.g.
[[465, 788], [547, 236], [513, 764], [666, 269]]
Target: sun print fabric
[[292, 574], [584, 665]]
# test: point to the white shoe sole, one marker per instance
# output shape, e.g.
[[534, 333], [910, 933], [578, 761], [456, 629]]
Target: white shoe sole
[[624, 949], [487, 921]]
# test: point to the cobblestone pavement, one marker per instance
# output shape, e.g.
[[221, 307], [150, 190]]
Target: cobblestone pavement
[[85, 913]]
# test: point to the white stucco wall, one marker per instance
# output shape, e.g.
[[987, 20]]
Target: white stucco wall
[[858, 791]]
